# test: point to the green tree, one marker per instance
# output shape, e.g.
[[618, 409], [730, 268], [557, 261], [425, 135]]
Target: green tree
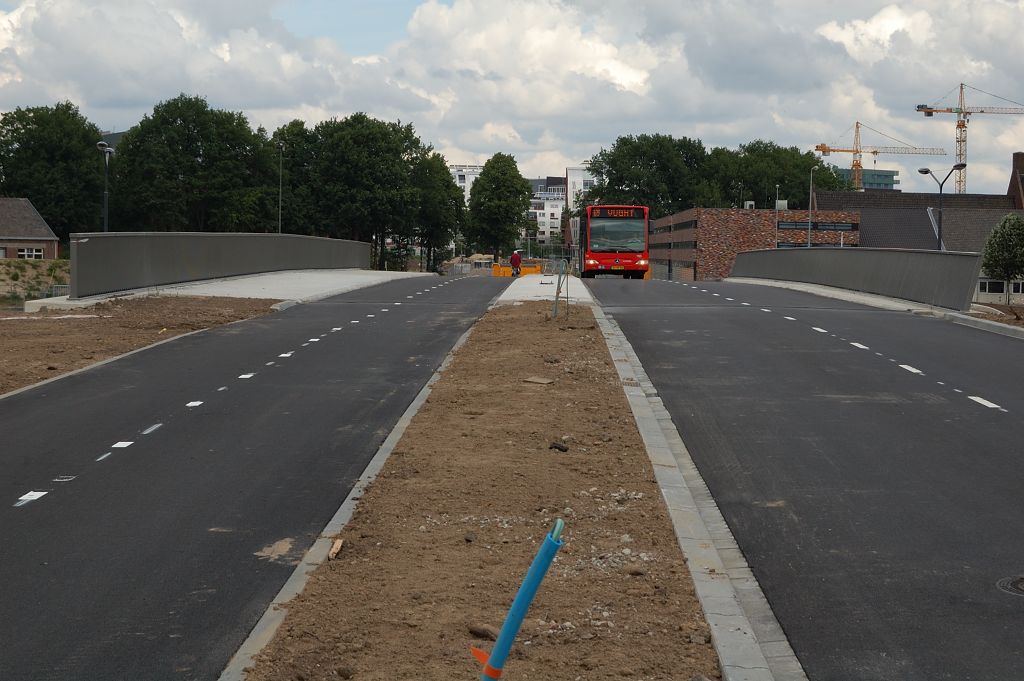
[[658, 171], [362, 174], [441, 208], [190, 167], [1004, 252], [48, 155], [294, 148], [498, 203]]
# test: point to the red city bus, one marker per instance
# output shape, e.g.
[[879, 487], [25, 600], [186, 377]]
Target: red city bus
[[613, 240]]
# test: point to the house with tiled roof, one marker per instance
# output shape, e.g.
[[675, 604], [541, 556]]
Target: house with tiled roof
[[24, 233]]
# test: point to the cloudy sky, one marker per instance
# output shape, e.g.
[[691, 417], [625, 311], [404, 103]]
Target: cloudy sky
[[549, 81]]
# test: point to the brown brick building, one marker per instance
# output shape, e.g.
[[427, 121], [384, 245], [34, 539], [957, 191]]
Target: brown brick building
[[702, 243], [24, 233]]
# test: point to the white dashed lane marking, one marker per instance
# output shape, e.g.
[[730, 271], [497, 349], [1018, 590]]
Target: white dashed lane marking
[[790, 319], [314, 340], [983, 402], [907, 367], [104, 456], [122, 445], [819, 330], [152, 429], [269, 364], [194, 404], [858, 345], [731, 299], [765, 309], [247, 375], [29, 497], [336, 329], [747, 304], [64, 478], [222, 388]]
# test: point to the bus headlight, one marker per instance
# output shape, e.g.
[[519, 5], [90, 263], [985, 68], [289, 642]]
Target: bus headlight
[[592, 262], [641, 262]]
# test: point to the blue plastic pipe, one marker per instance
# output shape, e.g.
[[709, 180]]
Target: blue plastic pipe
[[528, 589]]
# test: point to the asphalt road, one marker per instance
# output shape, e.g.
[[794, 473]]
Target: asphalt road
[[867, 461], [185, 481]]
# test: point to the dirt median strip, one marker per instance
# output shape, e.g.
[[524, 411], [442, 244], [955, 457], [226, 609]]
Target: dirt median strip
[[441, 539]]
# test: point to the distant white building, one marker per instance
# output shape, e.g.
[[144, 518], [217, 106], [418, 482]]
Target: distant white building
[[577, 180], [465, 176], [546, 210]]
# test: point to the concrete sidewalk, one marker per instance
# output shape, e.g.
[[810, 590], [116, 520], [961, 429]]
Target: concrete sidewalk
[[292, 286], [543, 287]]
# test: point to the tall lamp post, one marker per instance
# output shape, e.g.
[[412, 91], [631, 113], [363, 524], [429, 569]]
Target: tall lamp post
[[810, 207], [107, 151], [776, 216], [280, 182], [927, 171]]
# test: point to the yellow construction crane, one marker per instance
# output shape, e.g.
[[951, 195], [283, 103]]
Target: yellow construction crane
[[963, 113], [858, 150]]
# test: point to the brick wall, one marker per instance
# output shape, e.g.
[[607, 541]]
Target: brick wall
[[705, 241], [877, 198], [12, 246], [1016, 188]]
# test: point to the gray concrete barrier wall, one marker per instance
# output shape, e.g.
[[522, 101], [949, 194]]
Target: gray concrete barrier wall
[[937, 278], [118, 261]]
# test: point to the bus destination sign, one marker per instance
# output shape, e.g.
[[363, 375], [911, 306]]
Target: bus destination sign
[[618, 213]]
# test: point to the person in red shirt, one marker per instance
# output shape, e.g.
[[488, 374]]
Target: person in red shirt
[[515, 261]]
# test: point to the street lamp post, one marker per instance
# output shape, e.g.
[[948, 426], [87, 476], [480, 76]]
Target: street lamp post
[[280, 182], [106, 150], [927, 171], [810, 207], [776, 216]]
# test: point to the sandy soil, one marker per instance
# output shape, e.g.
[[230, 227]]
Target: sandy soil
[[41, 345], [440, 541]]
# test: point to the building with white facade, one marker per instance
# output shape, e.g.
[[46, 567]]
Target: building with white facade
[[577, 181], [465, 176]]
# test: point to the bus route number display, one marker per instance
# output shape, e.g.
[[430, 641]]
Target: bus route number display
[[618, 213]]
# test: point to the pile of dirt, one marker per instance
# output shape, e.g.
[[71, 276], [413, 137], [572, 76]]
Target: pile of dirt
[[1013, 316], [441, 540], [41, 345]]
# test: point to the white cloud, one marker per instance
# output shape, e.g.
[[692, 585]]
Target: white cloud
[[869, 41], [551, 81]]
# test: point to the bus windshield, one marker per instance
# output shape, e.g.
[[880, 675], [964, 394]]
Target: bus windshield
[[617, 235]]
